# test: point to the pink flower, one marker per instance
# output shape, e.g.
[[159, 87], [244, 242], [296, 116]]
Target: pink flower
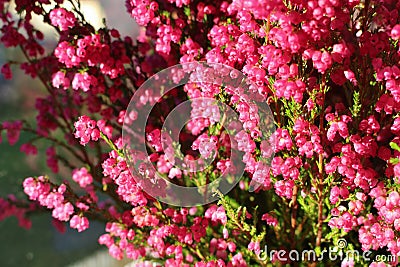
[[270, 220], [59, 80], [105, 129], [396, 126], [6, 71], [116, 252], [350, 76], [62, 18], [396, 170], [205, 108], [36, 188], [142, 11], [282, 140], [28, 149], [83, 81], [261, 176], [63, 211], [13, 131], [254, 246], [244, 141], [174, 172], [82, 177], [395, 33], [334, 196], [208, 147], [66, 54], [86, 130], [79, 223], [220, 215], [284, 188]]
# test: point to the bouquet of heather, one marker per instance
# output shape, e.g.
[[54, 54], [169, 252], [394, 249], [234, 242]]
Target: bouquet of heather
[[228, 133]]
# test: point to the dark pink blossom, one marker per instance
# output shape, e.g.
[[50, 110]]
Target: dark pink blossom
[[62, 18]]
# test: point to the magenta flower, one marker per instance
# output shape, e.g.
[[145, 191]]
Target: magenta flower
[[62, 18]]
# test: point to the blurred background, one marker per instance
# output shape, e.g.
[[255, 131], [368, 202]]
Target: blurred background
[[43, 245]]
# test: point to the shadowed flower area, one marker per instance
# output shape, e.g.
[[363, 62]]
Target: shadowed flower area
[[40, 244]]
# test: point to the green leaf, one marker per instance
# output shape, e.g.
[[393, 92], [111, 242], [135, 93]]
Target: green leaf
[[394, 146], [253, 231], [334, 233], [317, 251], [394, 161], [187, 11], [356, 108], [243, 215]]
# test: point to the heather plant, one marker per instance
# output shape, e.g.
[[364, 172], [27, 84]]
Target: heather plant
[[303, 96]]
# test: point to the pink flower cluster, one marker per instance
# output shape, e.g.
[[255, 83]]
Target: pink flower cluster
[[378, 232], [91, 51], [62, 18], [206, 145], [167, 35], [9, 207], [59, 79], [6, 71], [329, 71], [82, 177], [142, 11], [29, 149], [116, 168], [40, 189], [56, 199], [86, 130], [13, 130]]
